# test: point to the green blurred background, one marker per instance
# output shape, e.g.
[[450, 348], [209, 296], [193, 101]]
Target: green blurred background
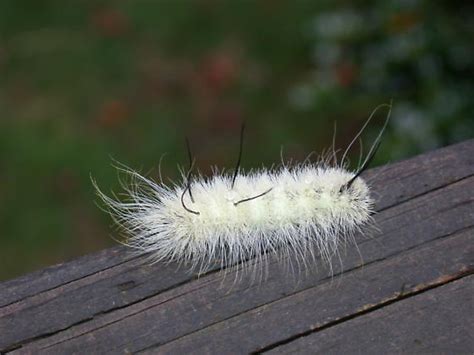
[[82, 82]]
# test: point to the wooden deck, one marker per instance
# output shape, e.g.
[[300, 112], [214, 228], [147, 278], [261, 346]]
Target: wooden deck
[[413, 292]]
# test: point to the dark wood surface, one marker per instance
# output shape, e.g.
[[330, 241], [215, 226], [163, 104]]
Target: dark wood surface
[[409, 287]]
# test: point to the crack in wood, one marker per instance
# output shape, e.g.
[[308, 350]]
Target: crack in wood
[[398, 295], [374, 307], [427, 192]]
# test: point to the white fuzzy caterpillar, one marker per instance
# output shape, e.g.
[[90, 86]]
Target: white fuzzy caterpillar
[[308, 210]]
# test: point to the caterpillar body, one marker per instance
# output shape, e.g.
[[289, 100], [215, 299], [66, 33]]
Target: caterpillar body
[[308, 210]]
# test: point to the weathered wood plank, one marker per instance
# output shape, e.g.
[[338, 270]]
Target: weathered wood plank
[[84, 299], [407, 179], [359, 291], [31, 284], [89, 291], [202, 303], [434, 322]]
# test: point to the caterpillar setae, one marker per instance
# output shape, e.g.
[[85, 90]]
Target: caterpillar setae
[[308, 210]]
